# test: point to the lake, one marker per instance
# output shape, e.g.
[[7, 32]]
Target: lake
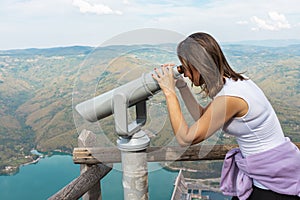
[[43, 179]]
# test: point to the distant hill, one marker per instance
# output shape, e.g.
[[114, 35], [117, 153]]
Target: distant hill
[[56, 51], [267, 43], [38, 87]]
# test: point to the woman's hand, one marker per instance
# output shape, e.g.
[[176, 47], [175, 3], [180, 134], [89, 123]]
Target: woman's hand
[[165, 78]]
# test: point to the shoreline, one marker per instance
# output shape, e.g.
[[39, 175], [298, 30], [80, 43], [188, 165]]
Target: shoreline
[[32, 162], [11, 170]]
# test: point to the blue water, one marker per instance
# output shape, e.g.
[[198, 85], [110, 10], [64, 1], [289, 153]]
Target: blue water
[[39, 181], [42, 180]]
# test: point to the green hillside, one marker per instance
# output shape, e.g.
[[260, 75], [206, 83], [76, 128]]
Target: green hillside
[[38, 86]]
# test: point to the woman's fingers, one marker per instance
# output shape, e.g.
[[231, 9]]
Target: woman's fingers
[[158, 72], [168, 69], [168, 64], [165, 70]]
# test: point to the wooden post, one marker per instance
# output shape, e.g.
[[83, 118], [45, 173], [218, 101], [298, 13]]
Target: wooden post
[[88, 139]]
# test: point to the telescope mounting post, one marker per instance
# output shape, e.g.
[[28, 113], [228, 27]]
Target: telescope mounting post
[[132, 137], [132, 142]]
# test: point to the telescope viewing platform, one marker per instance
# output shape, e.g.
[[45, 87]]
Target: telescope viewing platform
[[91, 159]]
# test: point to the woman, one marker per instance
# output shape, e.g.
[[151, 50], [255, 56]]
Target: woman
[[267, 164]]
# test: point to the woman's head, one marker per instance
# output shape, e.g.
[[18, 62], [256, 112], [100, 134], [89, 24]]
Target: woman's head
[[204, 63]]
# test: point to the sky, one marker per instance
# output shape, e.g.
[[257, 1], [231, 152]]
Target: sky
[[53, 23]]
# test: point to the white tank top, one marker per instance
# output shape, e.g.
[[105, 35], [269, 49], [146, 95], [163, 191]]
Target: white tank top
[[259, 129]]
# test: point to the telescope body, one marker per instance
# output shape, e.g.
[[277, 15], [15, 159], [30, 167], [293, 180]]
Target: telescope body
[[135, 91]]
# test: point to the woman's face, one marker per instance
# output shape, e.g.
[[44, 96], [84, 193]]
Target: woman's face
[[193, 75]]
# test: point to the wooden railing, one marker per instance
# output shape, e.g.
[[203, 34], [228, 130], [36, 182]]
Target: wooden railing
[[96, 162]]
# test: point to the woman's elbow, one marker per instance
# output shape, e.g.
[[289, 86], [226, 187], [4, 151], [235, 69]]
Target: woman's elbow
[[184, 142]]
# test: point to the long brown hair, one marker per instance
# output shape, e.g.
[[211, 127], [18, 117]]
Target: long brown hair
[[202, 52]]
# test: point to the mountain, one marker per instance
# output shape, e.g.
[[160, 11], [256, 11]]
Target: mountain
[[56, 51], [266, 43], [40, 87]]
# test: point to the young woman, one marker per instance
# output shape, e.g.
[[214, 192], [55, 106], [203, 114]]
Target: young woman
[[267, 164]]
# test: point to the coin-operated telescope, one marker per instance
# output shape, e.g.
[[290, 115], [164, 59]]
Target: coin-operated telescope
[[117, 102]]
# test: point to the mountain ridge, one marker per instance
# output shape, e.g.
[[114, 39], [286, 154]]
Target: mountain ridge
[[37, 90]]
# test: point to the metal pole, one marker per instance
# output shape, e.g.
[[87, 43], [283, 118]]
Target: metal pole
[[135, 175], [134, 165]]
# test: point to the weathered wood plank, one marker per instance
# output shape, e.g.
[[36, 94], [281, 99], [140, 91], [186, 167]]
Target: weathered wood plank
[[82, 184], [87, 185], [154, 154]]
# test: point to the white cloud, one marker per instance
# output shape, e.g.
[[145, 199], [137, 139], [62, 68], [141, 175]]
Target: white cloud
[[99, 9], [242, 22], [126, 2], [275, 22]]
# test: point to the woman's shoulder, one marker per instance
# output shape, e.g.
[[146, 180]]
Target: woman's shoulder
[[238, 87], [231, 84], [241, 88]]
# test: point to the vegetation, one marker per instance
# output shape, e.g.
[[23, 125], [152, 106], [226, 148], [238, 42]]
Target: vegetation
[[39, 88]]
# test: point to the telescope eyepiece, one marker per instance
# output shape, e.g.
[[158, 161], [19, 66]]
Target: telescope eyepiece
[[180, 69], [177, 70]]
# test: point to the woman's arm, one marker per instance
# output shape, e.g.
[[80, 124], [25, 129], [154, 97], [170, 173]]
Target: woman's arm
[[217, 113], [194, 108]]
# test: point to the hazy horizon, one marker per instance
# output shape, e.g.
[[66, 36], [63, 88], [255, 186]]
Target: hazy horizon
[[262, 43], [51, 23]]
